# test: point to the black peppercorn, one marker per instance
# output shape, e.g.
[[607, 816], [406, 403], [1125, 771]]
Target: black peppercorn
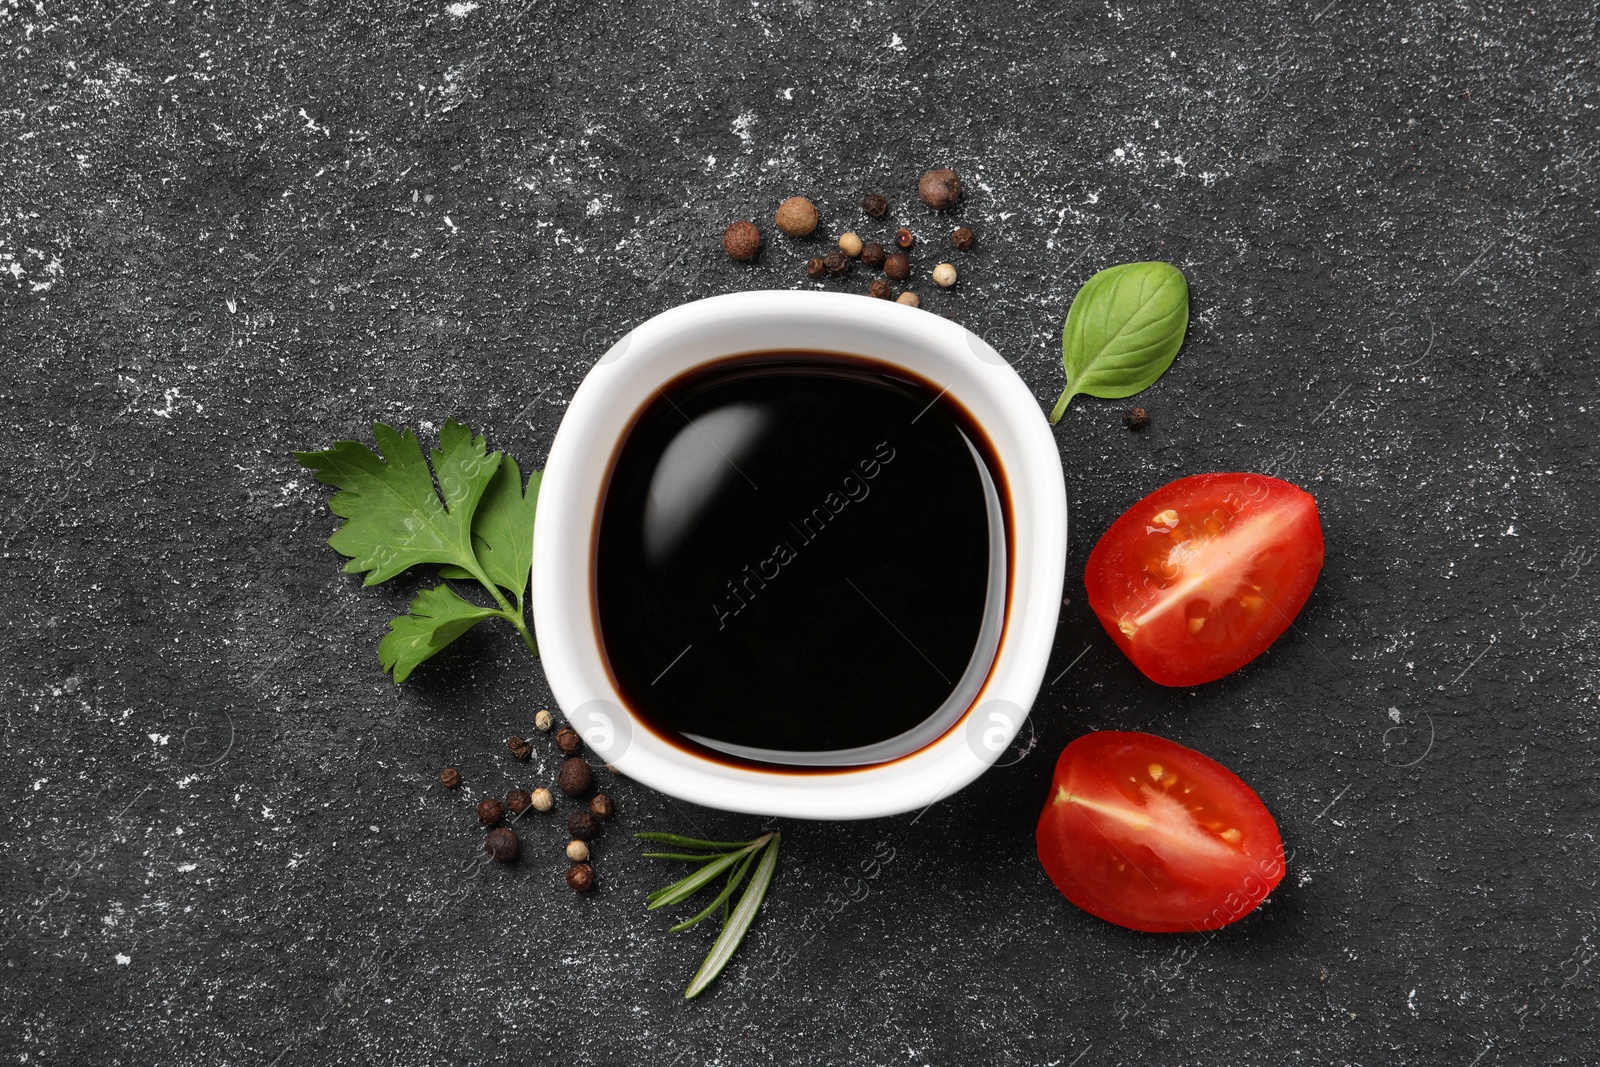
[[872, 254], [518, 801], [963, 238], [502, 845], [898, 266], [490, 811], [940, 189], [568, 741], [519, 748], [836, 262], [449, 777], [1136, 418], [880, 289], [602, 806], [580, 877], [815, 267], [904, 238], [574, 777], [582, 826], [874, 205]]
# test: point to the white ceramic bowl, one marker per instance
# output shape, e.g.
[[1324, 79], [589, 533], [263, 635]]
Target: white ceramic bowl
[[601, 413]]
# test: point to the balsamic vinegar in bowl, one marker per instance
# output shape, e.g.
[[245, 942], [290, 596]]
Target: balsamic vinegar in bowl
[[801, 561]]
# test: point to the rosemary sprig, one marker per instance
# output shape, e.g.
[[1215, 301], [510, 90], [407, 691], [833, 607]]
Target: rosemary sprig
[[735, 859]]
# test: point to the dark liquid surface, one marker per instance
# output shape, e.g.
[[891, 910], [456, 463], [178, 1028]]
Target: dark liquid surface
[[794, 554]]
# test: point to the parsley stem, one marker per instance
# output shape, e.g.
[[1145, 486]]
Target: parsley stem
[[509, 613]]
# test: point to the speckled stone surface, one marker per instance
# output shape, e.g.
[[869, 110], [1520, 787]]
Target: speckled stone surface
[[228, 231]]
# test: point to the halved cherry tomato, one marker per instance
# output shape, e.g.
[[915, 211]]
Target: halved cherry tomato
[[1198, 578], [1147, 834]]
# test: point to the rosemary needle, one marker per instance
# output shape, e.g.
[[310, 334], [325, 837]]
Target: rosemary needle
[[690, 842], [688, 887]]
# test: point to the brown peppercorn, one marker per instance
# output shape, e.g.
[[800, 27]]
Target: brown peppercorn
[[741, 240], [568, 741], [815, 267], [1136, 418], [543, 799], [574, 778], [874, 205], [580, 877], [904, 238], [897, 266], [796, 216], [518, 801], [582, 826], [872, 254], [490, 811], [880, 289], [836, 263], [940, 189], [519, 748], [602, 806], [502, 845], [450, 778], [963, 238]]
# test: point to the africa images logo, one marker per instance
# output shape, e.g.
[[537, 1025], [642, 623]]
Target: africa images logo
[[852, 489]]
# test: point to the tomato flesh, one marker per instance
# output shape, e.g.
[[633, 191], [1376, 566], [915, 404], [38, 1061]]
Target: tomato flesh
[[1201, 576], [1145, 833]]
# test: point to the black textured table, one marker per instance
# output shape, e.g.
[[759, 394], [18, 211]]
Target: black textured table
[[228, 231]]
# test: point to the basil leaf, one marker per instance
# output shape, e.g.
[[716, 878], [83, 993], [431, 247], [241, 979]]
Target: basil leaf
[[1123, 331]]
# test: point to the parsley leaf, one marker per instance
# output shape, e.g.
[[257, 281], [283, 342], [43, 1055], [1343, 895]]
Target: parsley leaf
[[393, 516], [437, 617], [502, 530], [476, 524]]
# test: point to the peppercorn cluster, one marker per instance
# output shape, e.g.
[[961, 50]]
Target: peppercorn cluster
[[574, 779], [797, 218]]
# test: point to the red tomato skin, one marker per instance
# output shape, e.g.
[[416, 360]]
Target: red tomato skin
[[1166, 651], [1157, 897]]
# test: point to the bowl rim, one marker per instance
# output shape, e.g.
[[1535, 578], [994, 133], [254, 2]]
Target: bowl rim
[[599, 415]]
